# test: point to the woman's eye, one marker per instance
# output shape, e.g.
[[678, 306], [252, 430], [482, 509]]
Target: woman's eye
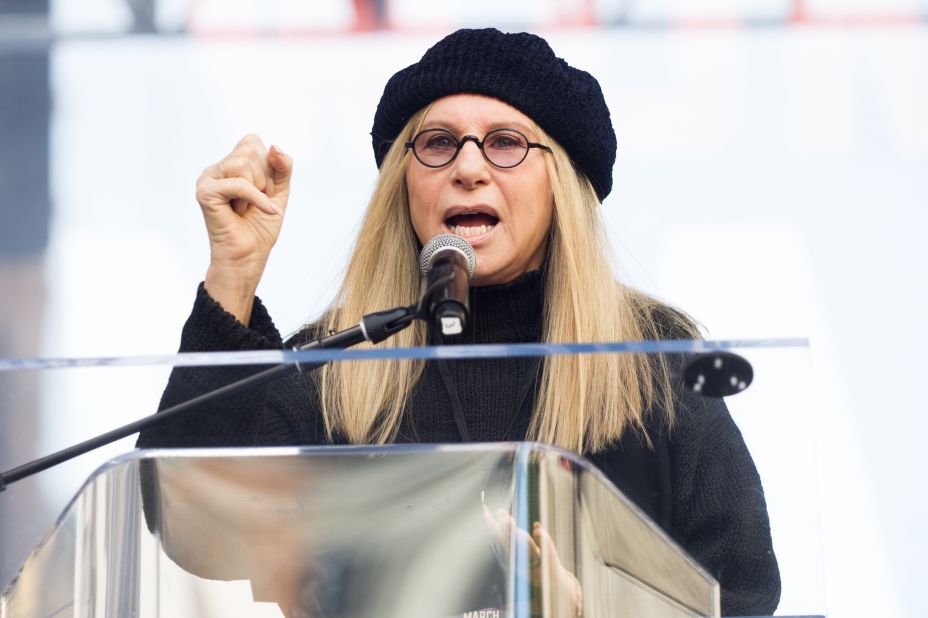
[[440, 142], [506, 142]]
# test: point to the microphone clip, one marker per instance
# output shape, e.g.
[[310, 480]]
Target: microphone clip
[[383, 324]]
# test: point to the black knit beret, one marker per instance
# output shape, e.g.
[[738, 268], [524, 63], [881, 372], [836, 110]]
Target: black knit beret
[[519, 69]]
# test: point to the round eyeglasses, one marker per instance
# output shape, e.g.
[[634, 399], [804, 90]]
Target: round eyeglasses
[[501, 147]]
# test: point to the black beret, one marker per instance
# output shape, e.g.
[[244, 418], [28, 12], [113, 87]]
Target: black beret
[[519, 69]]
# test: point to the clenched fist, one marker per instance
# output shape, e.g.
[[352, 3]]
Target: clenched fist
[[243, 199]]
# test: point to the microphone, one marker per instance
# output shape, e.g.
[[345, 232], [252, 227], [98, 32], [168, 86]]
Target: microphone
[[446, 263]]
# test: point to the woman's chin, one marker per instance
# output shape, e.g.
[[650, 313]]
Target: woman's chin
[[492, 276]]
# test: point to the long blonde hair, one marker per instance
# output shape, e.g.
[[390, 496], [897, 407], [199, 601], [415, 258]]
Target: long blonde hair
[[584, 402]]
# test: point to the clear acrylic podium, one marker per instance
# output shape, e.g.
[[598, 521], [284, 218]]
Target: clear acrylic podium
[[420, 530], [356, 531]]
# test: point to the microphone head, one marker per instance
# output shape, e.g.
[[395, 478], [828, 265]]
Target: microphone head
[[447, 242]]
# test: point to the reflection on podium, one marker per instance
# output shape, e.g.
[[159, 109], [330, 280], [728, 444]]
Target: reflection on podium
[[508, 529]]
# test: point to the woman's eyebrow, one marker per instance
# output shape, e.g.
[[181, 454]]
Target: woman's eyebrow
[[512, 124], [505, 124], [439, 124]]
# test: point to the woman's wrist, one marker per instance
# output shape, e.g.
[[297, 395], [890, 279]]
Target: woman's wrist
[[233, 288]]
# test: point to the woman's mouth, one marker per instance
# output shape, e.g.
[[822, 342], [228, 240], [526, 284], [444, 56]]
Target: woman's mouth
[[472, 224]]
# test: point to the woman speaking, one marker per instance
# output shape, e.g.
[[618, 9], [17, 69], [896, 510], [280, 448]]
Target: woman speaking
[[493, 138]]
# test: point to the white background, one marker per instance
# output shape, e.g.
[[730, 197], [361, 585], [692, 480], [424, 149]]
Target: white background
[[772, 182]]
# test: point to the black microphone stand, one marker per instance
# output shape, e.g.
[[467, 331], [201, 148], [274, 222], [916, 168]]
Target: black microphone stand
[[716, 374], [374, 327]]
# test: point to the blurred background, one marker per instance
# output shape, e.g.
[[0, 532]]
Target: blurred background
[[772, 179]]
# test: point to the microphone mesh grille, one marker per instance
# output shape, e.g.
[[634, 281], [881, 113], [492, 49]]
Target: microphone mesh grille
[[447, 241]]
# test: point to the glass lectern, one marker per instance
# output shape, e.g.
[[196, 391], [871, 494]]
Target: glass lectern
[[469, 530], [357, 531]]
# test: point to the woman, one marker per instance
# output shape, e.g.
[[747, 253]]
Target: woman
[[492, 137]]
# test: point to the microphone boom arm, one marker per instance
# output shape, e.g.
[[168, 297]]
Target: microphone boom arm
[[373, 327]]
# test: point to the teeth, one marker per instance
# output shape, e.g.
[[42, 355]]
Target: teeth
[[465, 232]]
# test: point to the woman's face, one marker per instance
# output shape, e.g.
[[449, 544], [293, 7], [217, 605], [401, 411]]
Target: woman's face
[[505, 214]]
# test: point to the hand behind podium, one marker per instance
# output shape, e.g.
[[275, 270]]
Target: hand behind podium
[[545, 566], [243, 198]]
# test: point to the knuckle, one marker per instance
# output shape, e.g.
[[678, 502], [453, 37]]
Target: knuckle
[[203, 191], [236, 167], [205, 176], [252, 143], [203, 180]]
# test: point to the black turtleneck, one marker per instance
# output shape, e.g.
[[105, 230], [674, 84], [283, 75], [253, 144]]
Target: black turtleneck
[[698, 482], [492, 397]]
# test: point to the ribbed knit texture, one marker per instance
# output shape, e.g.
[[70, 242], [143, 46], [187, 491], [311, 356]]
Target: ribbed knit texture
[[698, 483], [519, 69], [488, 389]]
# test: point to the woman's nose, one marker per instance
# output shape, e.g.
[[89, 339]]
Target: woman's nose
[[470, 167]]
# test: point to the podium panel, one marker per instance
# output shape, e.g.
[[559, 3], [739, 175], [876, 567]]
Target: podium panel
[[403, 530], [357, 531]]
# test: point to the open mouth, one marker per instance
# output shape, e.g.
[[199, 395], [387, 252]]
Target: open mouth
[[471, 224]]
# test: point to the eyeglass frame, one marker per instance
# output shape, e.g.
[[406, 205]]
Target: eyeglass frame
[[411, 145]]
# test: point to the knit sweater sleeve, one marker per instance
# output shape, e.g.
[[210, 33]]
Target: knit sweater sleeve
[[244, 419], [719, 511]]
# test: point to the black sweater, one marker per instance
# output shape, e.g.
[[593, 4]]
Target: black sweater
[[698, 481]]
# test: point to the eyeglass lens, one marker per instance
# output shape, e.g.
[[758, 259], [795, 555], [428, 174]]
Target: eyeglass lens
[[502, 147]]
